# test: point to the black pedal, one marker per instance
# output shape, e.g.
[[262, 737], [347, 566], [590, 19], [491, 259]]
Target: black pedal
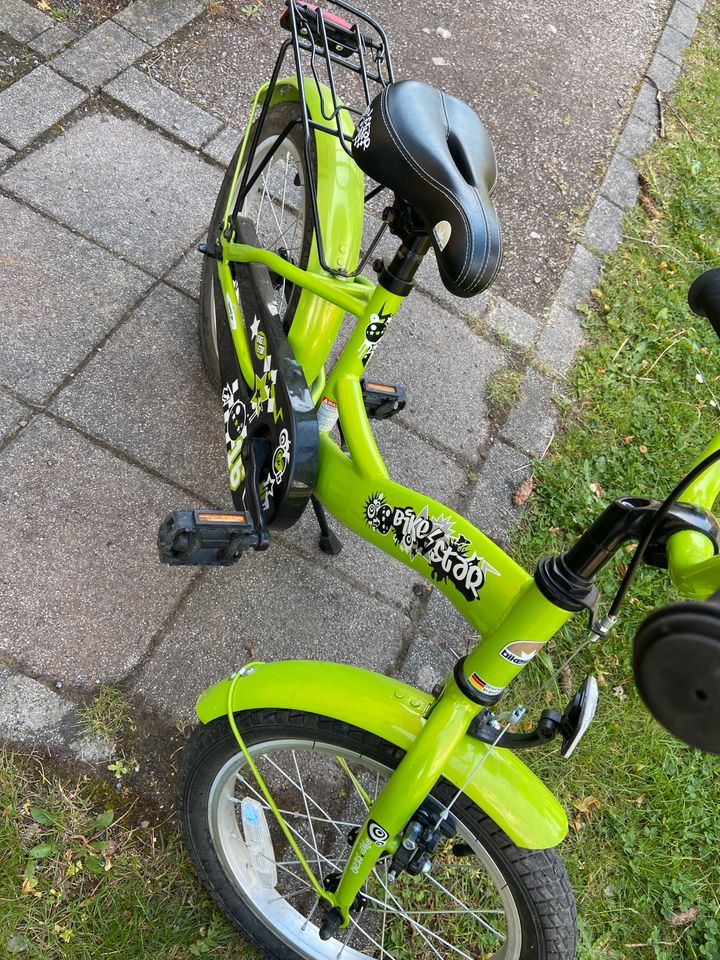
[[382, 400], [207, 538]]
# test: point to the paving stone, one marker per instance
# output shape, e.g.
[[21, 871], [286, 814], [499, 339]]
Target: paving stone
[[11, 413], [83, 592], [33, 716], [636, 138], [62, 293], [34, 103], [673, 44], [490, 507], [696, 5], [603, 231], [512, 322], [22, 21], [186, 274], [445, 367], [646, 105], [531, 422], [100, 55], [426, 663], [155, 20], [621, 183], [127, 187], [222, 147], [269, 606], [146, 393], [683, 19], [446, 626], [163, 106], [560, 339], [412, 462], [53, 40], [5, 154], [664, 72], [581, 275]]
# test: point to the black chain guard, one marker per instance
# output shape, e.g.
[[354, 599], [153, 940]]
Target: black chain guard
[[271, 431]]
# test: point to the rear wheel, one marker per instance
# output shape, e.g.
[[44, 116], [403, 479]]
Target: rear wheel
[[484, 897], [279, 206]]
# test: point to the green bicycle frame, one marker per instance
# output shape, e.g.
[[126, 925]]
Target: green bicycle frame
[[496, 596]]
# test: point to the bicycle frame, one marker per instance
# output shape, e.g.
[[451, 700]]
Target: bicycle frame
[[496, 596]]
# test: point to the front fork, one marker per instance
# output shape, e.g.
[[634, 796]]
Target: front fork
[[404, 792]]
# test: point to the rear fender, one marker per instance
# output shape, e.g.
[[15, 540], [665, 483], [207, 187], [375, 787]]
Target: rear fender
[[341, 209], [504, 787]]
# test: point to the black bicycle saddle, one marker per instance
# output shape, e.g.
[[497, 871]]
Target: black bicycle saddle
[[434, 152]]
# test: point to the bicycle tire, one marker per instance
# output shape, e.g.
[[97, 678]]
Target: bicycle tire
[[537, 904], [291, 152]]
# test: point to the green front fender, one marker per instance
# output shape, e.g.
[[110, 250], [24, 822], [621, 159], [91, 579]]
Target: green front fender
[[504, 787]]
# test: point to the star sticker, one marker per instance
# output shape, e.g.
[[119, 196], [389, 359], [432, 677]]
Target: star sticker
[[254, 327]]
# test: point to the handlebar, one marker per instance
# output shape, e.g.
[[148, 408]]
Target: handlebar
[[704, 297]]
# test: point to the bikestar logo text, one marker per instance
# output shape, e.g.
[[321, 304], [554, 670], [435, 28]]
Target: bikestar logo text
[[521, 651], [434, 539]]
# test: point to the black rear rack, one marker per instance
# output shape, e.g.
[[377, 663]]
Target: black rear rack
[[319, 39]]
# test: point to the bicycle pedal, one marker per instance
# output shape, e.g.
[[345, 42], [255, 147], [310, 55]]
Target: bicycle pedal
[[382, 400], [207, 538]]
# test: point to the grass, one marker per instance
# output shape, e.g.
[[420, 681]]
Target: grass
[[107, 714], [645, 834], [81, 882], [503, 390]]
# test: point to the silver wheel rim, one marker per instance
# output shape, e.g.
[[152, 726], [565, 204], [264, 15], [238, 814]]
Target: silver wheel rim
[[416, 918], [276, 205]]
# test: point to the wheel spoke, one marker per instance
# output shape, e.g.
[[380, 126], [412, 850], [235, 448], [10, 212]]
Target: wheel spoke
[[472, 913]]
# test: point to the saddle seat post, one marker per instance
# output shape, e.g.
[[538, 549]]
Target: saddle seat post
[[397, 276]]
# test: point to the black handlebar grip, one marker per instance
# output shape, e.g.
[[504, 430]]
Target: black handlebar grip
[[704, 297]]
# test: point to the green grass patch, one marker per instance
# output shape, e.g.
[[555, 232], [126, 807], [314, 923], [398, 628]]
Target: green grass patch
[[503, 390], [80, 881], [643, 844]]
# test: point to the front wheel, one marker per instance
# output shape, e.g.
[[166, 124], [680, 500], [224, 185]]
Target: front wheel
[[484, 899]]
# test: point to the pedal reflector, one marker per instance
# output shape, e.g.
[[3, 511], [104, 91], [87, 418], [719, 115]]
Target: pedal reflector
[[259, 844]]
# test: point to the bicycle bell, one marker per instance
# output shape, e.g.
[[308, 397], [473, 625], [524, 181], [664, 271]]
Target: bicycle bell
[[676, 662]]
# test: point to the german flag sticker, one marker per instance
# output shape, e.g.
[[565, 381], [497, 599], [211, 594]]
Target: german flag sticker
[[477, 681]]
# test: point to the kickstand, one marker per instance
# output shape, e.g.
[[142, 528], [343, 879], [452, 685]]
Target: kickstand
[[329, 543]]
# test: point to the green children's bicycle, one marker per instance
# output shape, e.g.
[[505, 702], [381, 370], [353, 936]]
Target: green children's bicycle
[[333, 812]]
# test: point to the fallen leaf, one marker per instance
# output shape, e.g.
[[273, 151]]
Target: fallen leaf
[[523, 492], [597, 489], [43, 5], [566, 680], [619, 692], [684, 919], [642, 448], [629, 438], [586, 805]]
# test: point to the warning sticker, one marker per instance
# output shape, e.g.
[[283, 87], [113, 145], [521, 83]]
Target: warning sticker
[[327, 415]]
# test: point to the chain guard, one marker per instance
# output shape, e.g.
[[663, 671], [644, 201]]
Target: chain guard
[[271, 431]]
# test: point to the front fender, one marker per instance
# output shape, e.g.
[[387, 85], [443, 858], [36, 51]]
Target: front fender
[[504, 787]]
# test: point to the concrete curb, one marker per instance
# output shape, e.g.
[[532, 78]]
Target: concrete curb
[[562, 335]]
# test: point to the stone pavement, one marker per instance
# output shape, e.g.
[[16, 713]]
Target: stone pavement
[[107, 179]]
